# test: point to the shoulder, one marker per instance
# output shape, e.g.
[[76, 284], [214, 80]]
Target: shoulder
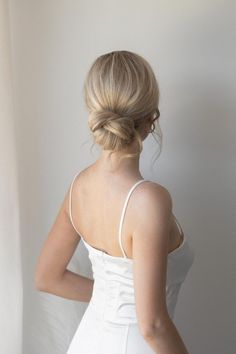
[[150, 209], [75, 183], [152, 196], [79, 177]]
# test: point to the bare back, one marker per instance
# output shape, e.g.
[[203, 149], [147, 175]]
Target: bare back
[[97, 202]]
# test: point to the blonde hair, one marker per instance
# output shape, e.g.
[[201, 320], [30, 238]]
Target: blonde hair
[[121, 93]]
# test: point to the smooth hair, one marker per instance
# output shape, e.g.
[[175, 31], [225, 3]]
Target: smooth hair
[[121, 93]]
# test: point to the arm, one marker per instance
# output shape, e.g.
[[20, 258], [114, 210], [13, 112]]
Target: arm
[[153, 210], [51, 274]]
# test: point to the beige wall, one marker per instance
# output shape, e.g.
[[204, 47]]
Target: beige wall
[[191, 46]]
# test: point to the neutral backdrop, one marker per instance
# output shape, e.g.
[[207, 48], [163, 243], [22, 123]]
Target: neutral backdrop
[[191, 47]]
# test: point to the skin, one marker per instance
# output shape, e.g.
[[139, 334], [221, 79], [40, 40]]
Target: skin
[[146, 237]]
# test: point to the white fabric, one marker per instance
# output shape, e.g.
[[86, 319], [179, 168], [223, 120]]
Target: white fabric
[[109, 324]]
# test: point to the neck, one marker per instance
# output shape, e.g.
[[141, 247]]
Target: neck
[[111, 164]]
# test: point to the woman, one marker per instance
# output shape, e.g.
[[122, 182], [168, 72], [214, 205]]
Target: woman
[[139, 254]]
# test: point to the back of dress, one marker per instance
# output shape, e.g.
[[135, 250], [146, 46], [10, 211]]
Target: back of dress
[[109, 324]]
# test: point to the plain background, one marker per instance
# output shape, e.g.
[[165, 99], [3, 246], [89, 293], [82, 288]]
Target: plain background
[[191, 47]]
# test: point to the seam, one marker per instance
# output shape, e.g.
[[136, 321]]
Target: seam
[[126, 338], [101, 339]]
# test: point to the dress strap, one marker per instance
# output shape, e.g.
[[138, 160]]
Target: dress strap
[[70, 203], [123, 212]]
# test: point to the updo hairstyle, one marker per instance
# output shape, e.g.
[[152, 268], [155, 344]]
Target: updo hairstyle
[[121, 93]]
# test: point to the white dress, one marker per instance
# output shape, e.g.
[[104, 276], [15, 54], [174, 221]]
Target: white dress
[[109, 324]]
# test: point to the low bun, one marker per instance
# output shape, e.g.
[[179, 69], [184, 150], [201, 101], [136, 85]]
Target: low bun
[[121, 94], [111, 130]]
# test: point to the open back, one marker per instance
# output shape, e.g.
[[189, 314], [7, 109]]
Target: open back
[[121, 218], [109, 324]]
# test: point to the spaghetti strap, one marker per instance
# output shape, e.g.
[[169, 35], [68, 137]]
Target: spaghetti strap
[[123, 213], [70, 203]]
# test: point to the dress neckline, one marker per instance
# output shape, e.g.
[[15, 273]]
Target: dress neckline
[[127, 259]]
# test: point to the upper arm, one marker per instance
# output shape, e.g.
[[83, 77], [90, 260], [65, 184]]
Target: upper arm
[[59, 246], [153, 210]]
